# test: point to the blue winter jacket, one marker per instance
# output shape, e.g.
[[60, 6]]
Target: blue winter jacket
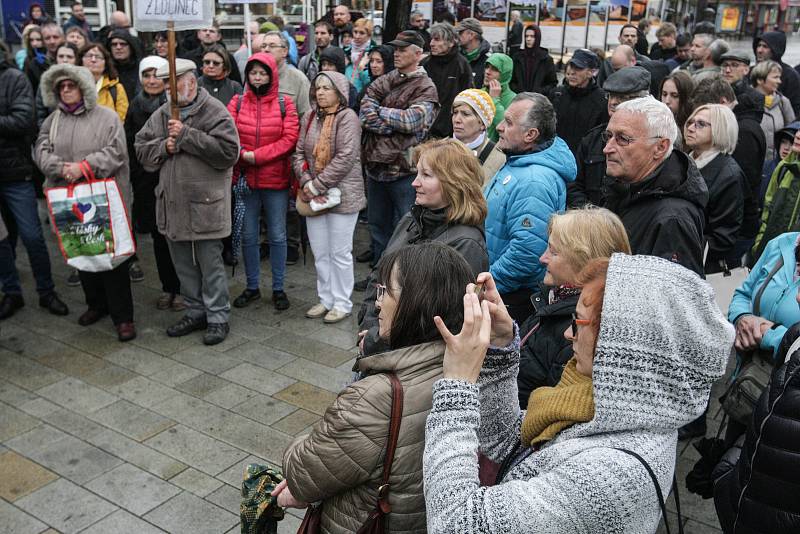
[[778, 302], [521, 197]]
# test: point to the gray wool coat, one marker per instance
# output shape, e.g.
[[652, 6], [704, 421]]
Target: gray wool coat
[[193, 196]]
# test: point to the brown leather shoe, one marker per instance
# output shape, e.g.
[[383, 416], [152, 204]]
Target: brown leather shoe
[[91, 316], [126, 331]]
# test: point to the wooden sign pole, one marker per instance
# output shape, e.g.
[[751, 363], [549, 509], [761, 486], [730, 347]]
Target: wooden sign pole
[[173, 80]]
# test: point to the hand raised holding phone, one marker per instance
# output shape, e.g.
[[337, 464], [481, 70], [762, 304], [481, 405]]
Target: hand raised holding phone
[[502, 323], [465, 352]]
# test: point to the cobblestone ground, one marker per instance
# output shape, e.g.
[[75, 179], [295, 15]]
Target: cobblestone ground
[[151, 436]]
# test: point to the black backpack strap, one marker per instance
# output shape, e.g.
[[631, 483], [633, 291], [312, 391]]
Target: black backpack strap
[[239, 99], [658, 491], [282, 104], [484, 155], [113, 90]]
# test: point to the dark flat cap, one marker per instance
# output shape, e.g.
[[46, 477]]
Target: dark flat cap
[[408, 38], [628, 80], [584, 59], [737, 55], [470, 24]]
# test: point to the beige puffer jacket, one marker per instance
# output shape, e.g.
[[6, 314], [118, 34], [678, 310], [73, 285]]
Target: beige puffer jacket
[[341, 461]]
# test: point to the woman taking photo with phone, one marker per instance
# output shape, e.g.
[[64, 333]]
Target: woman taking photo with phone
[[649, 341], [339, 464]]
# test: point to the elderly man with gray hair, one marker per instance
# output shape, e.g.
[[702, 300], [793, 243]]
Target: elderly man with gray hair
[[658, 192], [591, 185], [449, 71], [522, 197], [194, 156]]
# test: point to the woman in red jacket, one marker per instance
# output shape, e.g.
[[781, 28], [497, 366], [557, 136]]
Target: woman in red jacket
[[268, 131]]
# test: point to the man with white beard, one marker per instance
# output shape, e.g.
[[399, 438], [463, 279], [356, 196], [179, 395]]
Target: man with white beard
[[194, 156]]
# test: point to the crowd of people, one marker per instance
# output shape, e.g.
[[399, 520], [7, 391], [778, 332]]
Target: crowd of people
[[580, 216]]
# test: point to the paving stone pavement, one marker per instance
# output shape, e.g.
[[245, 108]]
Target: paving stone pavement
[[152, 436]]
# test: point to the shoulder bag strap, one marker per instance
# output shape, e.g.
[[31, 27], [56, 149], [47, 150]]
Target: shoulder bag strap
[[54, 128], [658, 491], [757, 299], [391, 442], [484, 155]]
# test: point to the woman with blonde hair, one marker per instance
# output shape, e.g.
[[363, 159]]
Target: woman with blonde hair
[[22, 53], [710, 136], [778, 112], [358, 54], [35, 61], [449, 208], [574, 239]]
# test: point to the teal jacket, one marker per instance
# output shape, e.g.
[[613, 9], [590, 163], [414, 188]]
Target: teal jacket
[[778, 301], [522, 197], [505, 65]]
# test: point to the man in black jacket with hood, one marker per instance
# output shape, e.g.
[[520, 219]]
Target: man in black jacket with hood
[[450, 73], [126, 54], [534, 70], [657, 192], [772, 45]]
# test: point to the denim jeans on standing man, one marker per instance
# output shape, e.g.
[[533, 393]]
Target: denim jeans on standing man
[[274, 205], [20, 197], [387, 202]]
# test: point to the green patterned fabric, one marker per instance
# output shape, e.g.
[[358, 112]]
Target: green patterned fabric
[[260, 512]]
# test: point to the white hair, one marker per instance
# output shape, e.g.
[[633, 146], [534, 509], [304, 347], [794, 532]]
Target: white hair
[[659, 118], [724, 127]]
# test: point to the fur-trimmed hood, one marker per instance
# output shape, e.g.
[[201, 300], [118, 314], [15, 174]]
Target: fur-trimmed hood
[[80, 75]]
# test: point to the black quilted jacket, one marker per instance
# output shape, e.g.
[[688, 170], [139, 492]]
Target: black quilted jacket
[[760, 494]]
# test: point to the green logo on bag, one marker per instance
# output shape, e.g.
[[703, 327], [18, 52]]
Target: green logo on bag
[[84, 226]]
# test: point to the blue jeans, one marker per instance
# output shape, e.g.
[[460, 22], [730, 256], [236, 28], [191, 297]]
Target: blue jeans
[[20, 197], [274, 205], [387, 202]]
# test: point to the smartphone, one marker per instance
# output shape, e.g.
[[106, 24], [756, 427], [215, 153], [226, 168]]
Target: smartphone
[[479, 290]]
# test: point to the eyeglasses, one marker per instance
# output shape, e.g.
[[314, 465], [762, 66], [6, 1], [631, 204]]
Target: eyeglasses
[[578, 322], [67, 86], [212, 62], [380, 291], [119, 44], [621, 139], [94, 57], [697, 123]]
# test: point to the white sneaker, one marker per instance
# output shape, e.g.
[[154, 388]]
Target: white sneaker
[[316, 311], [334, 316]]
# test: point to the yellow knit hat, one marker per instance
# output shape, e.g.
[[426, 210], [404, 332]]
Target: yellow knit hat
[[480, 102]]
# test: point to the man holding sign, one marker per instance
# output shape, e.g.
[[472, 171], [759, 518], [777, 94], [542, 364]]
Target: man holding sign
[[194, 155]]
